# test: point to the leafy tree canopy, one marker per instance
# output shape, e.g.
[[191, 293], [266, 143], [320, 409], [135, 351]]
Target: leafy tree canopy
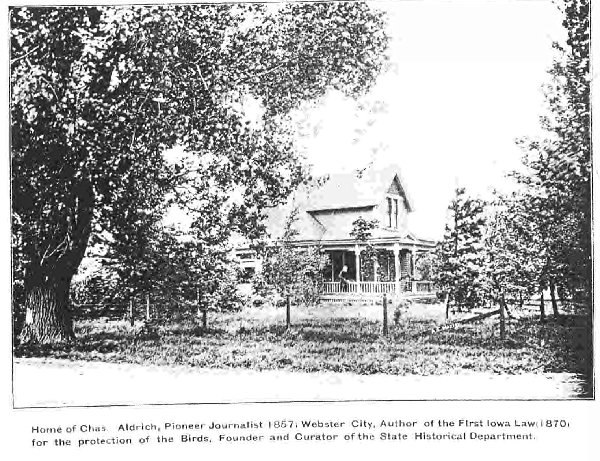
[[98, 94], [558, 183]]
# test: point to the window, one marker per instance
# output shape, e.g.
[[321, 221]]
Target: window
[[389, 211], [396, 213]]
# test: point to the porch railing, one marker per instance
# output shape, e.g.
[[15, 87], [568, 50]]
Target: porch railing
[[377, 287], [415, 286], [424, 286]]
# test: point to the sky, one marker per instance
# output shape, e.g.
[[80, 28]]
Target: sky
[[465, 81]]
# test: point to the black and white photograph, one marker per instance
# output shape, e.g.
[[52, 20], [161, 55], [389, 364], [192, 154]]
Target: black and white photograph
[[245, 203]]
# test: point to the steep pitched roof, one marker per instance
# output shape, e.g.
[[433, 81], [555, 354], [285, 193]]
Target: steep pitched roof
[[307, 226], [339, 192], [351, 190]]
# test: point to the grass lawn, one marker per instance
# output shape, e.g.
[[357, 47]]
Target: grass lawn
[[336, 338]]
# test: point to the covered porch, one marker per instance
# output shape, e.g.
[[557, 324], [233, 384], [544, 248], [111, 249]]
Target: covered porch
[[390, 271]]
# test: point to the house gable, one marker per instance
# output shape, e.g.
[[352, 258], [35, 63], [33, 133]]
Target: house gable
[[395, 188], [327, 212]]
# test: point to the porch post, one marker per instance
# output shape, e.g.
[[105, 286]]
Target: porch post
[[357, 256], [332, 267], [413, 253], [397, 267]]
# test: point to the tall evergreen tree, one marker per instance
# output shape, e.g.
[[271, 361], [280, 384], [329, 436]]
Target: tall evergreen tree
[[460, 256], [559, 176]]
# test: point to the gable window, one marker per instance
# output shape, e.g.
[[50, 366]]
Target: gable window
[[389, 211], [396, 213]]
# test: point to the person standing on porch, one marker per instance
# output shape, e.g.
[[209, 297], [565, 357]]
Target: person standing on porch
[[343, 280]]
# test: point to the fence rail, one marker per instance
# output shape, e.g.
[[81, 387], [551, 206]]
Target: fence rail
[[141, 310]]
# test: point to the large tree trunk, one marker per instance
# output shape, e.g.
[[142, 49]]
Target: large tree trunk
[[47, 314], [48, 278]]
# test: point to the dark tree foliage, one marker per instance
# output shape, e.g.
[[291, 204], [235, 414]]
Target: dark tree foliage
[[460, 255], [98, 94], [514, 253], [558, 183], [362, 232], [292, 270], [169, 268]]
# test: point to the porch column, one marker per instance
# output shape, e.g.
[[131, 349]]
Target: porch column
[[414, 260], [413, 254], [375, 267], [396, 251], [332, 267], [357, 256]]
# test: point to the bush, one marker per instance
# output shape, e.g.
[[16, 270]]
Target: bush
[[401, 306], [226, 296], [426, 300]]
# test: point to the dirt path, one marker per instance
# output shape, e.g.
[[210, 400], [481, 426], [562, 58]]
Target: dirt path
[[67, 383]]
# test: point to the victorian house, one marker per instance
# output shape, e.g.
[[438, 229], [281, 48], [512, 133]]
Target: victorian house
[[325, 217]]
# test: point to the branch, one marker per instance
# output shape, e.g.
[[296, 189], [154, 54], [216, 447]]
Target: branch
[[268, 71], [201, 77], [45, 80], [185, 173], [185, 203], [25, 55], [46, 256]]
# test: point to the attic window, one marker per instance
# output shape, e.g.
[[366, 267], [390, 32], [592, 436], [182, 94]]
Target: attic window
[[389, 211], [396, 213]]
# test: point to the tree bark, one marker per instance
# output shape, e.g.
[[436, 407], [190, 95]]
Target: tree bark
[[48, 276], [554, 302], [48, 318]]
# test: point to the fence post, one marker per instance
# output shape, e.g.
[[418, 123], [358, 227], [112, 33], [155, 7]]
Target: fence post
[[502, 320], [197, 302], [385, 316], [131, 312], [147, 307], [287, 312]]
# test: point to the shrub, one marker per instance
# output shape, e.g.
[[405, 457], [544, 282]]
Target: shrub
[[226, 296], [401, 306]]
